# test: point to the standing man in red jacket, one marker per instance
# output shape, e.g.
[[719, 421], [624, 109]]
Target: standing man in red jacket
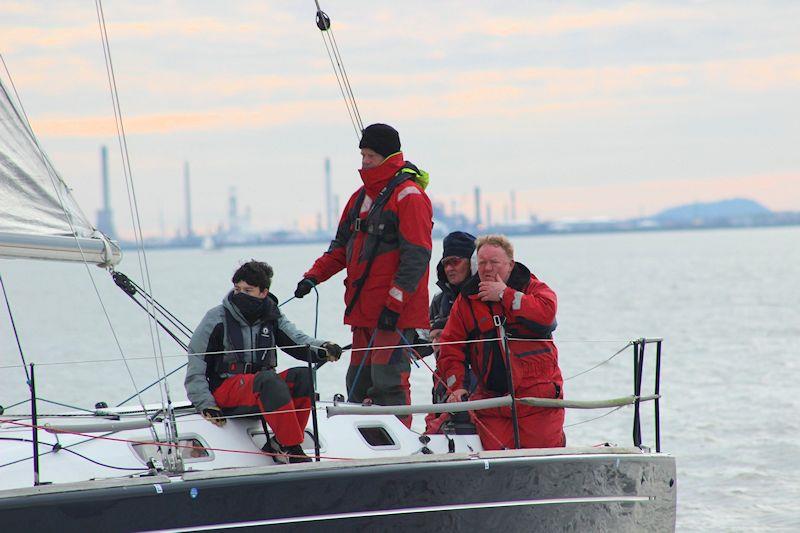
[[384, 242], [505, 292]]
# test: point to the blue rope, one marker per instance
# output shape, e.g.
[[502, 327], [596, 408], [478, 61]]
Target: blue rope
[[361, 365], [410, 358]]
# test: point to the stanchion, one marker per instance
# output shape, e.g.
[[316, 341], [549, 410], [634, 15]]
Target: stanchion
[[35, 428], [313, 397]]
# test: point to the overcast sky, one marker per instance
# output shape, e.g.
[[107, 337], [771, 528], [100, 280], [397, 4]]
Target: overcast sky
[[585, 110]]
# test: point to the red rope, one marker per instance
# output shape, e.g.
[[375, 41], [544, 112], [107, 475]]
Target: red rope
[[167, 444]]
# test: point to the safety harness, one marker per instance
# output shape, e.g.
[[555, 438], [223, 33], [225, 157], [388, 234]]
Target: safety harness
[[372, 225]]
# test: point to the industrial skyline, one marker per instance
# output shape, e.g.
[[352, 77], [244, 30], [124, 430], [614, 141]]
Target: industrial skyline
[[237, 227]]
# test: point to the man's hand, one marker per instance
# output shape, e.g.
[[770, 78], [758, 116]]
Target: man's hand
[[214, 415], [304, 287], [491, 291], [457, 396], [388, 319], [332, 351]]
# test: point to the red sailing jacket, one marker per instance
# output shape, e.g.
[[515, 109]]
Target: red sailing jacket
[[398, 278], [528, 307]]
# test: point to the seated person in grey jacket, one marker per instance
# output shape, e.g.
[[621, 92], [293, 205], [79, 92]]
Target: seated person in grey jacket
[[233, 355]]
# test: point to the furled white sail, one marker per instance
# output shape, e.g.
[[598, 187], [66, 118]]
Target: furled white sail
[[39, 218]]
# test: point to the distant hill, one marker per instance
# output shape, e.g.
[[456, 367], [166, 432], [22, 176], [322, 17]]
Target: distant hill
[[736, 207]]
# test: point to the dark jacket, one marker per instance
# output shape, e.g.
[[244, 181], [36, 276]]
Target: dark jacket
[[398, 278], [206, 370], [443, 301]]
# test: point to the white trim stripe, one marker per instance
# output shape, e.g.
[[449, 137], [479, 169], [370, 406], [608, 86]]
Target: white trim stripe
[[516, 304], [396, 293], [413, 510], [405, 192]]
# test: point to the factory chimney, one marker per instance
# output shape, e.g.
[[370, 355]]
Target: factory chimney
[[187, 190], [477, 206], [105, 219]]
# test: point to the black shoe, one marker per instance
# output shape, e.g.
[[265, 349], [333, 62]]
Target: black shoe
[[276, 451], [296, 454]]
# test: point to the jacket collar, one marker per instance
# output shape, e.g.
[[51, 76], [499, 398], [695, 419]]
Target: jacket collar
[[376, 178], [519, 280]]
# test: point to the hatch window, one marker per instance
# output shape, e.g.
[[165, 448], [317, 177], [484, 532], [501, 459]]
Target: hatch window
[[377, 436], [192, 449]]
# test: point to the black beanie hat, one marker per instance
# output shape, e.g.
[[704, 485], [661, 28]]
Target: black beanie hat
[[459, 244], [381, 138]]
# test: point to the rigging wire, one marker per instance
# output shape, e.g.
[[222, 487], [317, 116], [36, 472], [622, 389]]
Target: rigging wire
[[174, 461], [126, 168], [14, 327], [58, 448], [345, 88]]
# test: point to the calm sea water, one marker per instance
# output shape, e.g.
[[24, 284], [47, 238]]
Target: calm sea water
[[727, 304]]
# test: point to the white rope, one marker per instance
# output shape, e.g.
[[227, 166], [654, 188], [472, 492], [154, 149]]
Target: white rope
[[222, 352]]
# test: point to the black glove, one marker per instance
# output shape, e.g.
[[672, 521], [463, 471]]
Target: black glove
[[304, 287], [215, 416], [330, 351], [388, 319]]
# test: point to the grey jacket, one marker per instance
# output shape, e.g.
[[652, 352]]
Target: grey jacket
[[211, 335]]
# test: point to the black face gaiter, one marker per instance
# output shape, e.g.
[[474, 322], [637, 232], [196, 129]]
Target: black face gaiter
[[252, 308]]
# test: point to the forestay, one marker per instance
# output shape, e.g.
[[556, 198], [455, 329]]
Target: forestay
[[39, 218]]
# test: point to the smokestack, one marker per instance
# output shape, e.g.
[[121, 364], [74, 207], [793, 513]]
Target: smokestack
[[477, 206], [105, 222], [189, 232], [233, 214], [488, 215], [328, 196]]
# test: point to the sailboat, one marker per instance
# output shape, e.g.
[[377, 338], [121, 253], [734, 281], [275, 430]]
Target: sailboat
[[164, 468]]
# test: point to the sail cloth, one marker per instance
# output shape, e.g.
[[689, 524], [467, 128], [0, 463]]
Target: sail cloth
[[39, 218]]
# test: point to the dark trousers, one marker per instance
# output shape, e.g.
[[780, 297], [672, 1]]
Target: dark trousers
[[272, 393], [383, 376]]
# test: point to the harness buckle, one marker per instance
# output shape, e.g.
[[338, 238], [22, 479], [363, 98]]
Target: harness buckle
[[248, 368], [497, 320], [357, 224]]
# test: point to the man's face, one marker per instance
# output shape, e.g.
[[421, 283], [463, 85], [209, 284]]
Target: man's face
[[370, 158], [456, 269], [243, 286], [493, 261]]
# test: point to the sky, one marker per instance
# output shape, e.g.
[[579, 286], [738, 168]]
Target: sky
[[585, 110]]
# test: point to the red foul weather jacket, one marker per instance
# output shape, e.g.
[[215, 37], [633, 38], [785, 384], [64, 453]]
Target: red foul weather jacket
[[399, 236], [528, 309]]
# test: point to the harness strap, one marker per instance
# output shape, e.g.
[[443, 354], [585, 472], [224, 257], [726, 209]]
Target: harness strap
[[236, 340], [377, 206]]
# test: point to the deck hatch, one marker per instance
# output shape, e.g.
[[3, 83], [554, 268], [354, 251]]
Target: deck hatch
[[376, 436]]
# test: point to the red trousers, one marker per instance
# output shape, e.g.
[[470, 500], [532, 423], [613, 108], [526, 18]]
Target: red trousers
[[539, 427], [380, 374], [272, 393]]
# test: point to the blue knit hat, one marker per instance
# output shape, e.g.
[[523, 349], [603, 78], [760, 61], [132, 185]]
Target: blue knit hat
[[459, 244]]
